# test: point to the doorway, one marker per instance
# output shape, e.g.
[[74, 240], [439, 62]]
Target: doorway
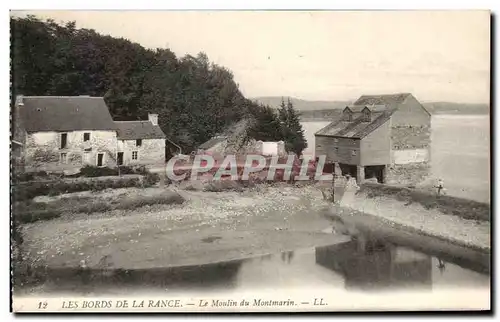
[[119, 158], [100, 159]]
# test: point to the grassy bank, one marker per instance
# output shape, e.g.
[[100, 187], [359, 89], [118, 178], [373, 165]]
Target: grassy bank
[[31, 211], [449, 205]]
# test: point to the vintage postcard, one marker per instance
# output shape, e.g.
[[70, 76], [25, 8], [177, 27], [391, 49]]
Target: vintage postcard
[[250, 161]]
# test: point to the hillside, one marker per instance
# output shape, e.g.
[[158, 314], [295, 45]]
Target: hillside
[[330, 109], [301, 105]]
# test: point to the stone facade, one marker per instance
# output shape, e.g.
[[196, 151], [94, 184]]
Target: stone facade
[[409, 174], [149, 152], [43, 150]]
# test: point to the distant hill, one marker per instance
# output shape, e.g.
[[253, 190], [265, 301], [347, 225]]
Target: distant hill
[[457, 108], [311, 110], [302, 105]]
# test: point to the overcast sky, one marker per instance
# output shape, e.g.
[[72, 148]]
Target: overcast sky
[[437, 56]]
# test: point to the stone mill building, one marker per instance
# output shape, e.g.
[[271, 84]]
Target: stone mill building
[[386, 137]]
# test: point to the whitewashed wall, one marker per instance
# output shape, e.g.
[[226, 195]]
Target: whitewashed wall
[[410, 156]]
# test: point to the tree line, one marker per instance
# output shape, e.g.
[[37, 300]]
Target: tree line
[[194, 98]]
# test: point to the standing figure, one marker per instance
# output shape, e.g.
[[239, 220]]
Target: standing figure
[[440, 187]]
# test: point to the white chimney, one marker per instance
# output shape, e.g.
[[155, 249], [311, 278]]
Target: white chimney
[[153, 118], [19, 100]]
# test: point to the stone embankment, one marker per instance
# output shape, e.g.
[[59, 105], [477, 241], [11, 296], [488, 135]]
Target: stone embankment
[[457, 220]]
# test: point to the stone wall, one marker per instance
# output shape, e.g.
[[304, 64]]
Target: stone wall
[[407, 174], [43, 152], [150, 152], [410, 137]]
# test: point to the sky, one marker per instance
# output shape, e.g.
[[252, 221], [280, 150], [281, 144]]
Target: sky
[[320, 55]]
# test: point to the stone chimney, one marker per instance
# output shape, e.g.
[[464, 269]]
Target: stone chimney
[[19, 100], [153, 118]]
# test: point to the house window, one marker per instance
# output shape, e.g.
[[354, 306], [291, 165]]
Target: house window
[[63, 158], [134, 155], [64, 140], [353, 152], [336, 150], [86, 136], [336, 140], [138, 142]]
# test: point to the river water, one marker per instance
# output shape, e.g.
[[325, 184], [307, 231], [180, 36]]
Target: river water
[[460, 153], [381, 267]]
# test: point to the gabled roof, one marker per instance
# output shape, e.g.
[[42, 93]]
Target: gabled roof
[[65, 113], [356, 129], [135, 130], [385, 99]]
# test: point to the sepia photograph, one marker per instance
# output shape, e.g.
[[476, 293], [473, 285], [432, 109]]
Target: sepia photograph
[[250, 161]]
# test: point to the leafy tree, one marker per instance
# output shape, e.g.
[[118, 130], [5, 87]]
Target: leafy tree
[[266, 125]]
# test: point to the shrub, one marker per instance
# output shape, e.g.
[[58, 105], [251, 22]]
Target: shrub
[[164, 199], [93, 171], [151, 179], [126, 170], [29, 191], [93, 207], [28, 212]]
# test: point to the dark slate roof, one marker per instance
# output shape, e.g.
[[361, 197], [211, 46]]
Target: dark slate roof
[[356, 129], [134, 130], [360, 108], [65, 113], [386, 99], [212, 142]]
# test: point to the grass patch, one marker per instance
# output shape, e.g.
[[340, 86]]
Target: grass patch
[[28, 212], [465, 208], [28, 191]]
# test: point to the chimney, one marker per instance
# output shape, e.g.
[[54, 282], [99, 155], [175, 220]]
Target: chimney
[[19, 100], [153, 118]]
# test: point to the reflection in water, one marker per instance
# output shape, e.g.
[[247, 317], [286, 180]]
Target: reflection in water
[[376, 265], [353, 265], [287, 256]]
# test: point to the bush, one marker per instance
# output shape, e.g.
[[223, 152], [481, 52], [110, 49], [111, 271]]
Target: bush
[[166, 199], [28, 212], [93, 171], [150, 179], [32, 216], [28, 192]]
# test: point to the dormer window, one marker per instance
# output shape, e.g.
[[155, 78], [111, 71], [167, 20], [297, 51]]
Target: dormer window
[[367, 115], [347, 115]]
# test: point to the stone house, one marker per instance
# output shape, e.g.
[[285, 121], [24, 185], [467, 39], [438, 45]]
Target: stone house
[[380, 136], [65, 133], [140, 142]]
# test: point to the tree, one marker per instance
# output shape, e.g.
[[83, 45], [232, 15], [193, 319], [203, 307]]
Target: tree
[[266, 125], [291, 128]]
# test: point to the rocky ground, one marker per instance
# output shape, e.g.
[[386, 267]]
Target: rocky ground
[[210, 227]]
